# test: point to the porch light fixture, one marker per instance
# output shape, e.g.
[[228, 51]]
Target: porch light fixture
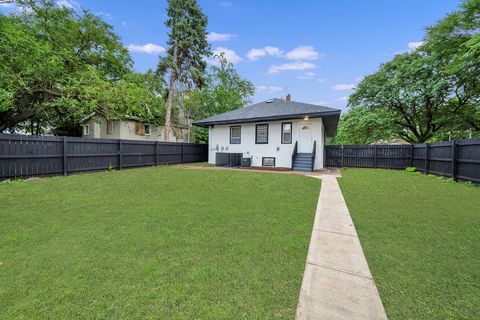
[[305, 118]]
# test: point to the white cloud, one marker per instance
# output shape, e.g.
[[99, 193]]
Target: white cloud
[[148, 48], [230, 55], [255, 54], [307, 75], [104, 14], [412, 46], [269, 90], [321, 80], [298, 54], [303, 53], [343, 87], [343, 99], [291, 66], [213, 36], [15, 6], [226, 3], [70, 4], [124, 24]]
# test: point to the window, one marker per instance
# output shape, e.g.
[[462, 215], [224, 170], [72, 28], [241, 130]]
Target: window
[[261, 136], [139, 129], [268, 161], [109, 126], [86, 130], [147, 129], [286, 132], [235, 135]]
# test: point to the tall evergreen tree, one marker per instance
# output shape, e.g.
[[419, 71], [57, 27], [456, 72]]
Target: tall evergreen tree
[[188, 46]]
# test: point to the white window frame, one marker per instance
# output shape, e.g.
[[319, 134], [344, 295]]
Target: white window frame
[[86, 130], [147, 129]]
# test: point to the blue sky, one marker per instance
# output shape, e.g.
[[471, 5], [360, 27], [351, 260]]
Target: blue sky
[[315, 50]]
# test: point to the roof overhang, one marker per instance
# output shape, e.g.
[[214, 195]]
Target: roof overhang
[[330, 120]]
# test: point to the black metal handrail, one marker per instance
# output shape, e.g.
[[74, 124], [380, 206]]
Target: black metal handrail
[[294, 154], [313, 154]]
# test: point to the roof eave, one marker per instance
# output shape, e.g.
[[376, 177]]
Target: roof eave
[[271, 118]]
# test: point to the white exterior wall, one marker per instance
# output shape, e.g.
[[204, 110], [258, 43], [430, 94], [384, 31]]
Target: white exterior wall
[[125, 129], [219, 141]]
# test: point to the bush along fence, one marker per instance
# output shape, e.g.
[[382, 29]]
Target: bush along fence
[[458, 159], [27, 156]]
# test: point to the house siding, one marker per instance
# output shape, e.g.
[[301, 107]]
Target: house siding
[[219, 141], [125, 129]]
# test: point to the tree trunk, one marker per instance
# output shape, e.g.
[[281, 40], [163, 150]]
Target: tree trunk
[[168, 112], [10, 121]]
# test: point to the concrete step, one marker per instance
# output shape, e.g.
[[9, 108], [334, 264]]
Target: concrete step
[[302, 168]]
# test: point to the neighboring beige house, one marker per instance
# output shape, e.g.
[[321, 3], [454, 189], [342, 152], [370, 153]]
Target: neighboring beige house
[[130, 128]]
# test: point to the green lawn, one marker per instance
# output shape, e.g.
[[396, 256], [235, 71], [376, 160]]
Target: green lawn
[[159, 243], [421, 237]]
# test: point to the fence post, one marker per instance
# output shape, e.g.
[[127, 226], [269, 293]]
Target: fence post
[[412, 150], [426, 158], [183, 152], [342, 161], [156, 153], [65, 164], [120, 154], [454, 160], [375, 156]]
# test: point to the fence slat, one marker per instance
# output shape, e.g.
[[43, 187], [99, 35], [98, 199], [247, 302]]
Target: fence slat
[[27, 156]]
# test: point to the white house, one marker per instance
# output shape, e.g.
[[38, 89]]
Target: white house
[[274, 133], [129, 128]]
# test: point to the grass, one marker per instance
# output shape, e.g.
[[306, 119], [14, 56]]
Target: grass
[[155, 243], [202, 164], [421, 237]]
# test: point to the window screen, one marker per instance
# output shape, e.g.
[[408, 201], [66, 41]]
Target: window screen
[[287, 132], [235, 135], [261, 136]]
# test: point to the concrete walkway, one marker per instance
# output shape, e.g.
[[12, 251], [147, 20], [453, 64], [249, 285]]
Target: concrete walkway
[[337, 283]]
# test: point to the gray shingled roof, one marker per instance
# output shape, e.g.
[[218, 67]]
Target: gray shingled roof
[[276, 109]]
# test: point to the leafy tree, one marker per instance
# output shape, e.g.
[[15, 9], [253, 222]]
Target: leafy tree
[[414, 90], [188, 46], [59, 66], [224, 90], [455, 43], [364, 126]]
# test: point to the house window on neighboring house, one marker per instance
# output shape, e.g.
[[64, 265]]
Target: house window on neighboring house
[[286, 132], [109, 126], [235, 134], [261, 134], [139, 129], [86, 130], [147, 129]]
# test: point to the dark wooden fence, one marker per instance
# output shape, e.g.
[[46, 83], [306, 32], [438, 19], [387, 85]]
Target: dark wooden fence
[[456, 159], [28, 156]]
